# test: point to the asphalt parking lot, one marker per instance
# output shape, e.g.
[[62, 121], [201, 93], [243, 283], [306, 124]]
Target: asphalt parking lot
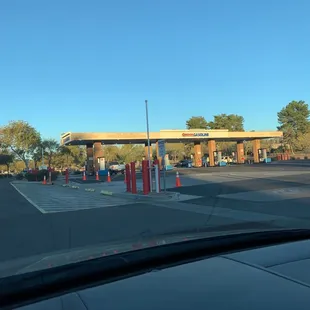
[[298, 165], [225, 198], [287, 178]]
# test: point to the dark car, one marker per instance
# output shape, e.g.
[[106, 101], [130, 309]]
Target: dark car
[[185, 163]]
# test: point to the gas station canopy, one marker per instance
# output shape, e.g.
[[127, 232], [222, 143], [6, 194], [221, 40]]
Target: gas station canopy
[[173, 136]]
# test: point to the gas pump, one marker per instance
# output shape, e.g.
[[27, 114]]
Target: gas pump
[[262, 155], [103, 171], [102, 164], [215, 158], [220, 160], [234, 157], [219, 157]]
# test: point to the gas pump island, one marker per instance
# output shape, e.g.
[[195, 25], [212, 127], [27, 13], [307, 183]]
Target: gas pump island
[[95, 152]]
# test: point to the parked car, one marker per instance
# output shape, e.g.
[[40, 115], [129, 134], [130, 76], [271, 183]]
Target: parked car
[[185, 163], [115, 167]]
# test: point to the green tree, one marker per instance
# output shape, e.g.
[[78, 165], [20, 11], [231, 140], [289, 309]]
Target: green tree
[[37, 156], [18, 165], [6, 159], [303, 142], [232, 122], [248, 148], [175, 150], [196, 122], [226, 147], [20, 138], [110, 152], [37, 152], [128, 153], [78, 154], [294, 122], [63, 158], [50, 149], [70, 156]]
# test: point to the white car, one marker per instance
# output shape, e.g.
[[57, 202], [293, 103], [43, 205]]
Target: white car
[[115, 167]]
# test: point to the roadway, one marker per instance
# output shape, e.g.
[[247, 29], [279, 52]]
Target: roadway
[[189, 171], [26, 231]]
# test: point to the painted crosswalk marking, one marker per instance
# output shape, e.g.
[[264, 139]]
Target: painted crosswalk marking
[[51, 199]]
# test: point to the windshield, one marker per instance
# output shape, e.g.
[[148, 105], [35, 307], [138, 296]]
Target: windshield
[[125, 122]]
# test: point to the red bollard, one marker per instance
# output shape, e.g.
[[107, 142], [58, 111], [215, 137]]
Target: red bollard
[[145, 177], [149, 169], [133, 178], [128, 179], [67, 176]]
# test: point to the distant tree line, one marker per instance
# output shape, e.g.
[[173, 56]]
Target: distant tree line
[[21, 146]]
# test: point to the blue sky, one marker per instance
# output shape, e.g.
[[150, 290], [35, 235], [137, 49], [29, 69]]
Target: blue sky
[[89, 65]]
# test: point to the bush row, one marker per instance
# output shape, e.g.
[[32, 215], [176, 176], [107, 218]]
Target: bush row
[[39, 176], [299, 157], [74, 172], [3, 176]]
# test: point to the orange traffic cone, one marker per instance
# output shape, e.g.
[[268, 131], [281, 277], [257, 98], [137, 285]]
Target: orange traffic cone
[[109, 178], [84, 176], [97, 176], [177, 180], [44, 180]]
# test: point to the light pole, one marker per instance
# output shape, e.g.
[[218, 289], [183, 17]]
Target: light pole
[[42, 158], [148, 143]]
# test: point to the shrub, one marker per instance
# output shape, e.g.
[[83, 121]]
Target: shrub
[[5, 175], [19, 176], [39, 176]]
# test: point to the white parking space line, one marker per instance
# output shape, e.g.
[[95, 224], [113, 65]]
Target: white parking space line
[[28, 199]]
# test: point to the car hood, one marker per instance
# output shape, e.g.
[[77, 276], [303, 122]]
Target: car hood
[[269, 277], [68, 256]]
